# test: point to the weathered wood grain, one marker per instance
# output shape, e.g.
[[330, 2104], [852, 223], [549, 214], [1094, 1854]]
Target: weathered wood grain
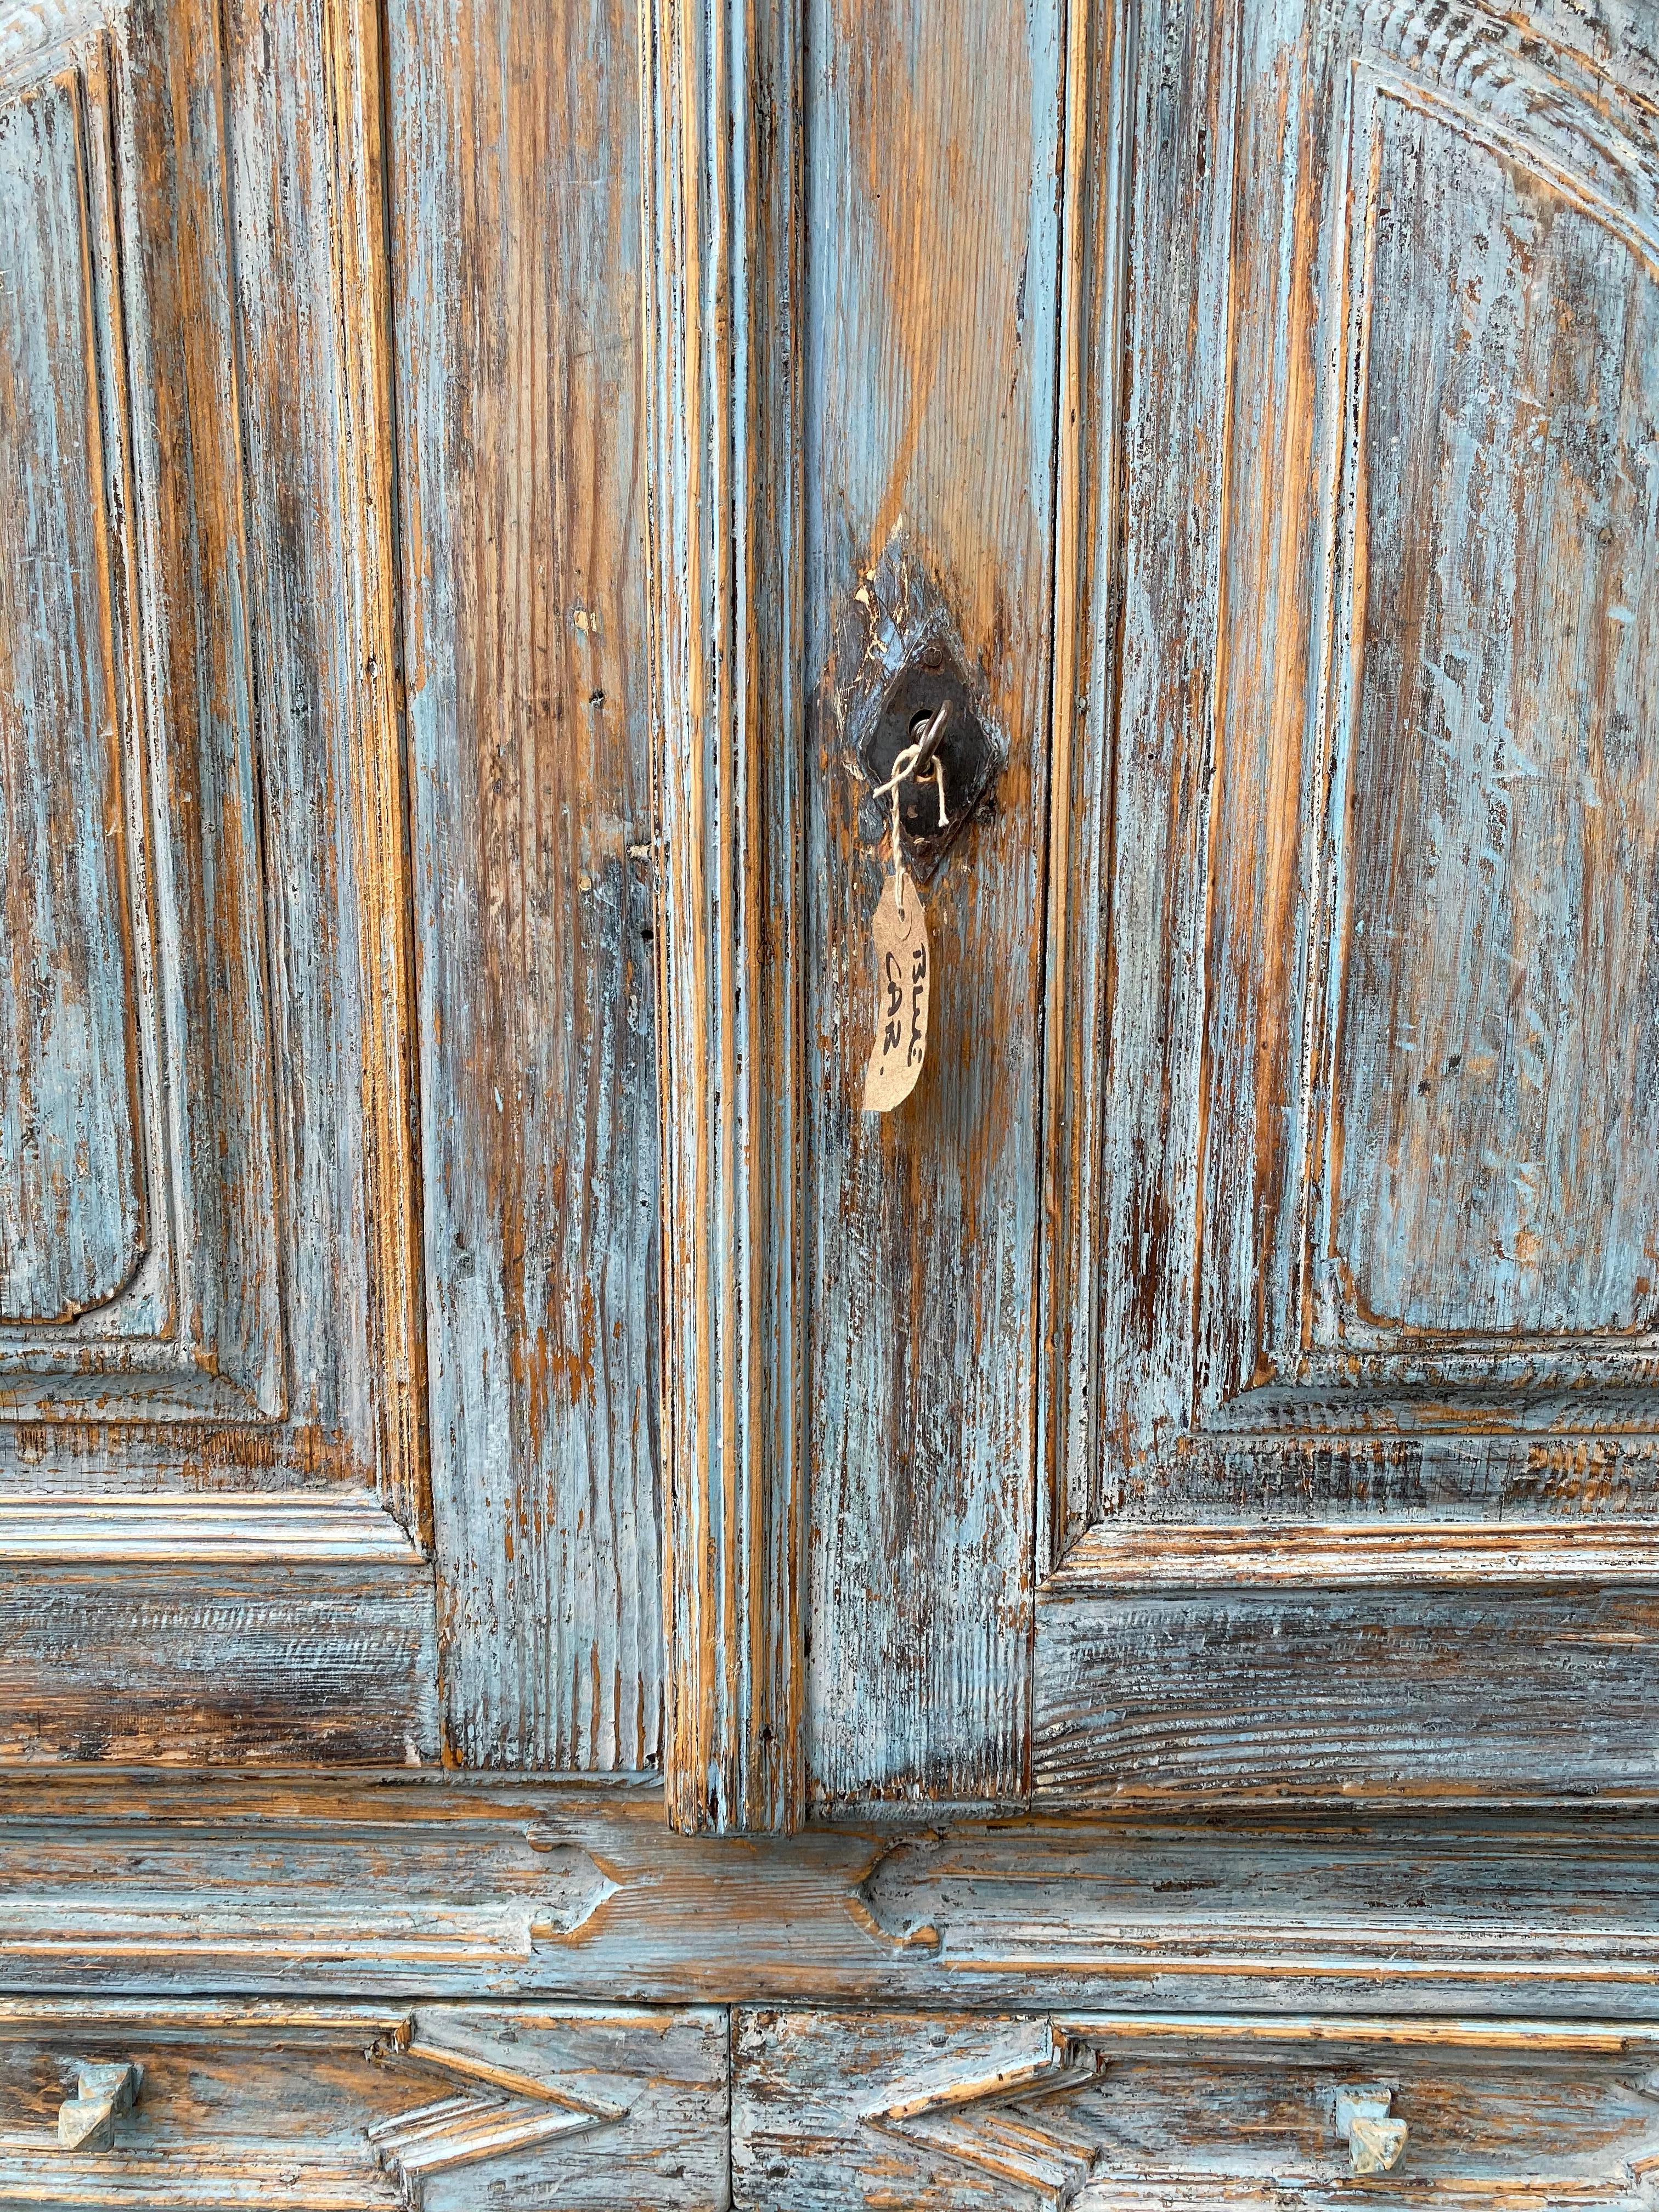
[[514, 182], [1439, 1913], [232, 263], [1428, 543], [722, 117], [1158, 627], [72, 1216], [306, 181], [832, 2109], [285, 1628], [341, 2108], [1101, 67], [418, 1883], [932, 290], [1493, 1133], [1377, 877], [1418, 269], [1355, 1662], [351, 85], [194, 1317], [231, 274]]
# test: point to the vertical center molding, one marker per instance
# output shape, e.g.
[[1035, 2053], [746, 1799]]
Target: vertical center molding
[[722, 139]]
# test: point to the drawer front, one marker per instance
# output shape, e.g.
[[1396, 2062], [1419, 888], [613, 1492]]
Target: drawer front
[[947, 2111], [341, 2108]]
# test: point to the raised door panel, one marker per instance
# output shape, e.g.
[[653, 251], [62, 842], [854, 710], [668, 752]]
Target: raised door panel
[[1372, 1112], [212, 1495], [1486, 989], [139, 1197], [1433, 869], [74, 1229], [1405, 1139], [201, 804]]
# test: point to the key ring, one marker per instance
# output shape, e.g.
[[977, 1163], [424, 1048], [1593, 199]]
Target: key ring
[[916, 763]]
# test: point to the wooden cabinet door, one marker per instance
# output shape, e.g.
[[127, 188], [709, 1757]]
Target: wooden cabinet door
[[854, 299], [328, 1114], [1356, 1495], [480, 483], [1229, 1372], [212, 1495]]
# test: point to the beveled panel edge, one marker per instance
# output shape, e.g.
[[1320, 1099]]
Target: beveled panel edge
[[1101, 88], [1168, 1556], [186, 1529], [376, 744]]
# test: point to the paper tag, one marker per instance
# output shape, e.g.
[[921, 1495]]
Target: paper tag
[[903, 980]]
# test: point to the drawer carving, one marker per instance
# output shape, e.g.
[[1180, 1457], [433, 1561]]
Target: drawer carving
[[491, 2109], [280, 2108], [945, 2112]]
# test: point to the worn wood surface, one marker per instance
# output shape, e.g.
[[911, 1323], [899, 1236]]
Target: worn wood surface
[[1362, 882], [931, 281], [1429, 769], [304, 191], [832, 2109], [1265, 394], [204, 265], [1155, 614], [232, 466], [283, 1628], [340, 2108], [1492, 1142], [515, 213], [722, 117], [177, 828], [72, 1230], [1101, 78], [420, 1884], [1354, 1662], [1371, 871]]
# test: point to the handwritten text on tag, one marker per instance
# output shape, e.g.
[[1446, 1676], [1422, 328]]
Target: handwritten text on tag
[[903, 981]]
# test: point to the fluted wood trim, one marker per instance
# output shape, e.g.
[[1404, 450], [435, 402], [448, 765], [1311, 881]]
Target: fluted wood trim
[[722, 152]]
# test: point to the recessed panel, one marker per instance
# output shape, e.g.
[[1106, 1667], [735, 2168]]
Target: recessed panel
[[71, 1200], [139, 1279], [1494, 1163]]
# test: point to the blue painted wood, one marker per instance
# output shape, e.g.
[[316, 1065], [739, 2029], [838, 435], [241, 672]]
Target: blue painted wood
[[72, 1212], [1378, 865], [932, 282], [517, 307], [209, 860]]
